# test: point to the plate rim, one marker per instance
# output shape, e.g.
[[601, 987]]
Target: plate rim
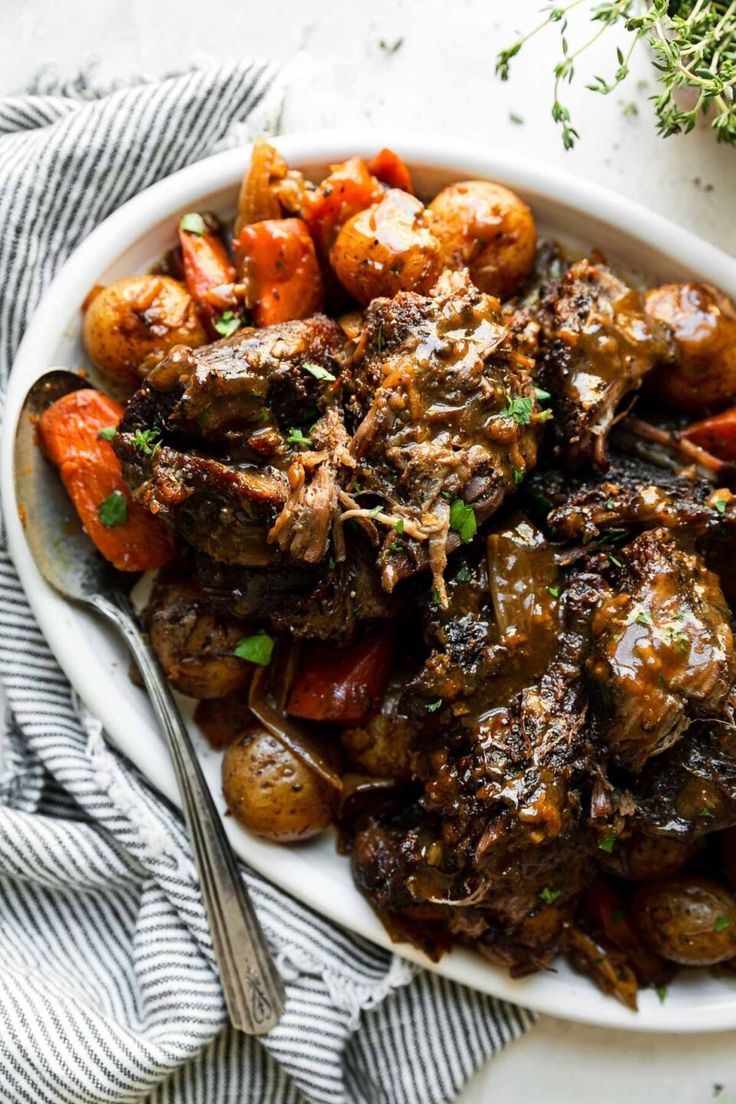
[[126, 226]]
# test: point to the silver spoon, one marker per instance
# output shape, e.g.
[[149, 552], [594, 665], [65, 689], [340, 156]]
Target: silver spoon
[[68, 560]]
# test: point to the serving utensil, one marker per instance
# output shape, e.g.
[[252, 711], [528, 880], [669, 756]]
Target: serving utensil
[[68, 560]]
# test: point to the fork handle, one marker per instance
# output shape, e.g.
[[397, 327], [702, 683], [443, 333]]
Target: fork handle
[[252, 987]]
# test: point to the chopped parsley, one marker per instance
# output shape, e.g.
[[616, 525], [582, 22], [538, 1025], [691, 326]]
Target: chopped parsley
[[296, 437], [432, 707], [662, 993], [517, 120], [607, 844], [549, 896], [228, 323], [518, 476], [463, 575], [332, 563], [114, 510], [375, 511], [610, 504], [318, 371], [379, 340], [675, 636], [720, 505], [256, 649], [616, 562], [643, 618], [706, 813], [193, 223], [520, 409], [721, 923], [107, 433], [147, 441], [555, 591], [399, 525], [435, 597], [462, 520], [542, 396], [396, 547], [390, 47]]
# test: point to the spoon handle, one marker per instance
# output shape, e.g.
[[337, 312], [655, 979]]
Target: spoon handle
[[252, 987]]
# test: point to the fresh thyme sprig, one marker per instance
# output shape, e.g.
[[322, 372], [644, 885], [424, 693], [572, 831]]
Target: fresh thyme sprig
[[694, 51]]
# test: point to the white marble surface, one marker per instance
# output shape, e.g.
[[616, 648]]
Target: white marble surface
[[439, 79]]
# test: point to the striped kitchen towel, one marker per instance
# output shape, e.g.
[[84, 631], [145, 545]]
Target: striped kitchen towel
[[107, 986]]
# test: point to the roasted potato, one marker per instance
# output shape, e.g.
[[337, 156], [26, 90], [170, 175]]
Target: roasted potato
[[194, 647], [687, 919], [387, 248], [488, 229], [646, 857], [703, 322], [222, 720], [134, 317], [273, 793]]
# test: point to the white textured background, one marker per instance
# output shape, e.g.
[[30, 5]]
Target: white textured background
[[439, 79]]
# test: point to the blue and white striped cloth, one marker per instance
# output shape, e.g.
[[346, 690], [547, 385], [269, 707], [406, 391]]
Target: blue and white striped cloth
[[107, 986]]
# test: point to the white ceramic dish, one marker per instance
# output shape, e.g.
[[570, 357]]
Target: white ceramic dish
[[129, 241]]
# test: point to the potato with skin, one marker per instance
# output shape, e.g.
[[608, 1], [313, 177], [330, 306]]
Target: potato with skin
[[271, 792], [687, 919], [703, 323], [387, 248], [488, 229], [135, 317], [645, 857]]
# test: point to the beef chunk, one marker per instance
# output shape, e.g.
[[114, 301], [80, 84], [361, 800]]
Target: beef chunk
[[635, 493], [446, 413], [663, 648], [597, 344]]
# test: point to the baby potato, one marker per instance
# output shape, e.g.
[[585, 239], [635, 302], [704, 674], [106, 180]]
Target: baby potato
[[387, 248], [488, 229], [271, 792], [136, 316], [646, 857], [687, 919], [703, 323]]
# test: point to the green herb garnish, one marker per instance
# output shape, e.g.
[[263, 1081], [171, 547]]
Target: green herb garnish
[[114, 510], [616, 562], [661, 992], [318, 371], [721, 923], [432, 707], [193, 223], [720, 505], [541, 395], [399, 525], [379, 340], [520, 409], [517, 120], [396, 546], [147, 441], [643, 618], [463, 575], [518, 474], [435, 597], [675, 636], [228, 323], [607, 844], [555, 591], [256, 649], [107, 433], [296, 437], [549, 896], [462, 520]]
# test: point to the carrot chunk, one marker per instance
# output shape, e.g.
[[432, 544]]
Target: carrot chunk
[[277, 261], [349, 188], [124, 532], [206, 266], [388, 167], [716, 435], [344, 685]]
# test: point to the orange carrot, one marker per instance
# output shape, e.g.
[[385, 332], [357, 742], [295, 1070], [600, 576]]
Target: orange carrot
[[388, 167], [349, 188], [342, 684], [123, 531], [276, 258], [206, 266], [716, 435]]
